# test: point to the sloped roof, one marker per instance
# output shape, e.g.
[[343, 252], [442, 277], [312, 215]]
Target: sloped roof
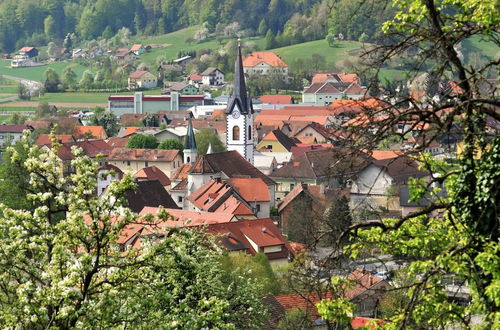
[[356, 106], [183, 218], [195, 77], [38, 123], [320, 163], [270, 58], [182, 172], [384, 154], [231, 163], [6, 128], [152, 173], [400, 168], [210, 196], [276, 99], [234, 206], [118, 142], [44, 139], [91, 148], [251, 189], [96, 131], [341, 77], [277, 135], [149, 193], [153, 155], [137, 74], [209, 71], [136, 47], [335, 88]]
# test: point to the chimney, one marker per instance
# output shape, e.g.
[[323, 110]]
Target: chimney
[[264, 229]]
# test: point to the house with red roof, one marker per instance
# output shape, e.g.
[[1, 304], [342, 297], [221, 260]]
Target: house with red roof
[[132, 160], [366, 292], [243, 197], [265, 63], [44, 139], [142, 79], [319, 133], [195, 79], [9, 134], [125, 56], [30, 52], [152, 173], [89, 132], [137, 49], [322, 77]]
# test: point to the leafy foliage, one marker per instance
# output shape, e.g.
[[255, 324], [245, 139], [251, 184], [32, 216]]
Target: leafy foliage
[[142, 141], [106, 119], [205, 137], [62, 266], [171, 144]]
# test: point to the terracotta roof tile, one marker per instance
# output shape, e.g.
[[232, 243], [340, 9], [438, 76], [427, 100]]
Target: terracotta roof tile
[[189, 218], [118, 142], [97, 132], [152, 173], [136, 47], [182, 172], [137, 74], [44, 139], [91, 148], [251, 189], [276, 99], [277, 135], [5, 128], [153, 155]]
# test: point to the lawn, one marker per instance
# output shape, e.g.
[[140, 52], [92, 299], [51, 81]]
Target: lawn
[[342, 50], [80, 97], [177, 42], [36, 73], [488, 49], [6, 107]]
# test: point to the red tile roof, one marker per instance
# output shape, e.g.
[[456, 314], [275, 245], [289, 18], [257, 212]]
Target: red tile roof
[[276, 99], [384, 154], [137, 74], [356, 106], [97, 132], [118, 142], [251, 189], [44, 139], [5, 128], [152, 173], [136, 47], [270, 58], [182, 172], [153, 155], [343, 77], [38, 123], [195, 77], [234, 206], [279, 136], [91, 148], [181, 218]]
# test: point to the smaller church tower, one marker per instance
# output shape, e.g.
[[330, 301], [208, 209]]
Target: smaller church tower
[[190, 150], [239, 129]]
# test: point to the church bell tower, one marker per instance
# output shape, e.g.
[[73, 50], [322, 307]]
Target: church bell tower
[[239, 128]]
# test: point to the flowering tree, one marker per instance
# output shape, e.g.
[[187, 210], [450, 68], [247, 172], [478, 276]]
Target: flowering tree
[[62, 265]]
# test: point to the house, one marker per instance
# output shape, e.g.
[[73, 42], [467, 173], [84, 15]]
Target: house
[[326, 93], [44, 139], [218, 196], [118, 142], [265, 63], [142, 79], [148, 193], [105, 175], [265, 162], [195, 79], [329, 168], [39, 124], [276, 99], [30, 52], [183, 88], [152, 173], [90, 148], [10, 134], [125, 56], [137, 49], [178, 189], [276, 141], [212, 77], [183, 61], [323, 77], [89, 132], [303, 197], [366, 292], [243, 236], [377, 185], [319, 134], [131, 160], [20, 61]]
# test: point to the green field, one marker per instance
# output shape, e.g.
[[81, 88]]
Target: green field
[[306, 49], [486, 48], [36, 73], [10, 108], [177, 41], [85, 97]]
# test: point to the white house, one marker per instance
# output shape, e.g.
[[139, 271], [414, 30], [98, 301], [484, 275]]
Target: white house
[[212, 77]]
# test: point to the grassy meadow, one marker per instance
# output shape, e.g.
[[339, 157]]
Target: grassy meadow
[[36, 72]]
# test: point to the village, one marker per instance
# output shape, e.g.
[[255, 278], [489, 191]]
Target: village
[[261, 174]]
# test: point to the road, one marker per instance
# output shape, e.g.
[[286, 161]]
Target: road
[[33, 86]]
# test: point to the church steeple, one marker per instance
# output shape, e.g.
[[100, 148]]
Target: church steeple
[[190, 150], [239, 96], [239, 119]]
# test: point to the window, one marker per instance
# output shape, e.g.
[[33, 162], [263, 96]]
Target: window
[[128, 162], [291, 186], [249, 132], [188, 159], [146, 164], [257, 208], [236, 133], [179, 199]]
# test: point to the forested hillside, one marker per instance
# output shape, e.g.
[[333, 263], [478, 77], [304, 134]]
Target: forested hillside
[[35, 22]]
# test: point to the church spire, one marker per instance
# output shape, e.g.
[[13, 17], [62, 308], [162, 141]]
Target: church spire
[[190, 150], [239, 96]]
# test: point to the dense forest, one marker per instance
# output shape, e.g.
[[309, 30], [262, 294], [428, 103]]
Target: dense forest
[[36, 23]]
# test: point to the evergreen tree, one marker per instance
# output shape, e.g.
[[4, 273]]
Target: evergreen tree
[[270, 40]]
